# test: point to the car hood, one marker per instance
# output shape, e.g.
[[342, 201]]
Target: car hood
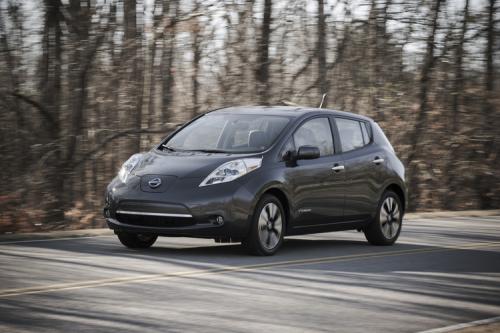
[[182, 164]]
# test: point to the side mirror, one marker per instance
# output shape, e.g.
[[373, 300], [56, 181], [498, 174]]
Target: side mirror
[[307, 153]]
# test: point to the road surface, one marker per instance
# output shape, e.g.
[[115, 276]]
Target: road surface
[[443, 271]]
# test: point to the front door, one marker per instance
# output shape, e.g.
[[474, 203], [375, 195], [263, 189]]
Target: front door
[[318, 184]]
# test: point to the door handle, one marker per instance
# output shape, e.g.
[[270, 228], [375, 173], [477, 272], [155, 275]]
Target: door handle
[[338, 168], [378, 160]]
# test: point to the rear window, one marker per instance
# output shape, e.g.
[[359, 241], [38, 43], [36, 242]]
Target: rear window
[[353, 134]]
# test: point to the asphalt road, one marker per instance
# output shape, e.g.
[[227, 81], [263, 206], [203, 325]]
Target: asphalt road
[[442, 272]]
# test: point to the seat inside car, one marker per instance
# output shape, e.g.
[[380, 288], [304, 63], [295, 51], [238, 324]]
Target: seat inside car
[[305, 136]]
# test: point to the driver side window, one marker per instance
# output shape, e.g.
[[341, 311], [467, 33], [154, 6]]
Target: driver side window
[[317, 133]]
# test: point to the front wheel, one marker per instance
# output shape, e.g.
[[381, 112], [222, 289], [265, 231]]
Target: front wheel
[[136, 241], [385, 228], [268, 225]]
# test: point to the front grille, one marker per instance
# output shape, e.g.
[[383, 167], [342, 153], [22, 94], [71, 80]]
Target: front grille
[[155, 221]]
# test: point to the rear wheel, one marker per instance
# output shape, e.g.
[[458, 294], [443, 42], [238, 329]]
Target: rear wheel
[[136, 241], [268, 225], [385, 228]]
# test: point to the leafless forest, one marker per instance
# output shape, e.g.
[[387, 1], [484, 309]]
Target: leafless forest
[[86, 83]]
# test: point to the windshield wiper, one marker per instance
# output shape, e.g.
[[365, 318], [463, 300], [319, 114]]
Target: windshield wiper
[[168, 148], [210, 150], [172, 149]]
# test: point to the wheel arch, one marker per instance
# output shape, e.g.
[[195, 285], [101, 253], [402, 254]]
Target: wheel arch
[[276, 189], [399, 191], [282, 197]]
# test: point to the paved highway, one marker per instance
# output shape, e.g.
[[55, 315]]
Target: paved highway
[[443, 271]]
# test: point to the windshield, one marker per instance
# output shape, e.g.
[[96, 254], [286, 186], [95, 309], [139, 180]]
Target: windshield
[[231, 133]]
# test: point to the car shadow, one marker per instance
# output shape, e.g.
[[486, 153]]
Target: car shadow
[[189, 254]]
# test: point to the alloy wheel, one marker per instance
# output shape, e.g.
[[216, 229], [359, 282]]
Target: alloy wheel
[[270, 226], [390, 218]]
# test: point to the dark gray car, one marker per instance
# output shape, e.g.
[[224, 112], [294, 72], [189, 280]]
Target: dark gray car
[[256, 174]]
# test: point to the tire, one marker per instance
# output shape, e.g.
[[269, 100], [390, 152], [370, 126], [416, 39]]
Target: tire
[[136, 241], [267, 228], [386, 226]]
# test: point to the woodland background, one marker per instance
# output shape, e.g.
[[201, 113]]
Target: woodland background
[[86, 83]]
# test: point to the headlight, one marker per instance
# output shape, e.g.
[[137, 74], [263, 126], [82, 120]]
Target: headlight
[[128, 166], [229, 171]]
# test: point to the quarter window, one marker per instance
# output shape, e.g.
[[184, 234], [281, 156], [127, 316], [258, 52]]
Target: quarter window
[[289, 146], [353, 134], [364, 129], [317, 133]]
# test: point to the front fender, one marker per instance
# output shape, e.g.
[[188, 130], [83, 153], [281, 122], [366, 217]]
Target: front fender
[[270, 179]]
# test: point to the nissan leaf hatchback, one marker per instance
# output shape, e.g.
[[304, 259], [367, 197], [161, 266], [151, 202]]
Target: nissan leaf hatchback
[[256, 174]]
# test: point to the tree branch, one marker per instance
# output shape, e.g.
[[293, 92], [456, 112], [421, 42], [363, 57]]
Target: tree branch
[[113, 137], [44, 111]]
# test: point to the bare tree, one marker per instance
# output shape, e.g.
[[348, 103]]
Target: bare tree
[[321, 50], [423, 99], [171, 9], [483, 182], [458, 92], [196, 46], [132, 49], [262, 72], [50, 86]]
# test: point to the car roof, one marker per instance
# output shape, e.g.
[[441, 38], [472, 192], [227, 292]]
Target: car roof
[[290, 111]]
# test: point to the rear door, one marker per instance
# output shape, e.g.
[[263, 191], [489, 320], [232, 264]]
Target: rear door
[[362, 171], [317, 189]]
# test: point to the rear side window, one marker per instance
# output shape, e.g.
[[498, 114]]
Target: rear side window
[[317, 133], [353, 134]]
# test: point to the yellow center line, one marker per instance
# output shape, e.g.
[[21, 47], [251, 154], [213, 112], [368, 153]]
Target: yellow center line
[[230, 269]]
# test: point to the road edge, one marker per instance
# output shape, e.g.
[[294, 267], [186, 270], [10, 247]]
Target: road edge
[[60, 234], [5, 238], [462, 326], [457, 213]]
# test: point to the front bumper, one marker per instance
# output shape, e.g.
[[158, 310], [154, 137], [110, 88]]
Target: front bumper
[[219, 211]]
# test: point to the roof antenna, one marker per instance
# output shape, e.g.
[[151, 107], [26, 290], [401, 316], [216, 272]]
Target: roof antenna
[[322, 101]]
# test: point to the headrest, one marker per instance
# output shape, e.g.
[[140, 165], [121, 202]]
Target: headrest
[[257, 139]]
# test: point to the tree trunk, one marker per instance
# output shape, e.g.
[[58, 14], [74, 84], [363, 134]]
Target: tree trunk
[[153, 72], [491, 158], [421, 121], [167, 60], [378, 41], [50, 86], [132, 57], [262, 72], [458, 91], [321, 51], [196, 67]]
